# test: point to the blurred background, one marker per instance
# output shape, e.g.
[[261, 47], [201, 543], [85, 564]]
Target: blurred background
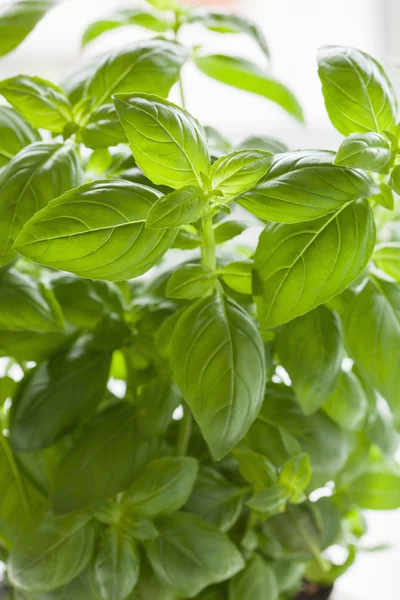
[[294, 31]]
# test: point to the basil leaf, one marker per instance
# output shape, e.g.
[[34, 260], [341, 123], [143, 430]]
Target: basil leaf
[[385, 197], [300, 266], [295, 476], [347, 404], [40, 102], [394, 180], [151, 67], [181, 207], [31, 345], [27, 304], [96, 467], [371, 105], [103, 129], [229, 23], [124, 17], [255, 468], [36, 175], [15, 134], [48, 558], [255, 142], [270, 501], [247, 76], [150, 586], [78, 589], [218, 362], [214, 498], [115, 570], [190, 281], [163, 487], [238, 171], [7, 388], [164, 4], [156, 402], [18, 19], [310, 349], [191, 554], [387, 258], [102, 225], [238, 275], [375, 491], [369, 151], [256, 582], [300, 186], [168, 144], [227, 230], [57, 396]]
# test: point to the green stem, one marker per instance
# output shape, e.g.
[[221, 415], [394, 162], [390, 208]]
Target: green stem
[[182, 92], [312, 546], [208, 247], [184, 433], [177, 27]]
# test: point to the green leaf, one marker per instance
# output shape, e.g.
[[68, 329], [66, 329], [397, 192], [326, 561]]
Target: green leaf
[[358, 95], [235, 173], [375, 491], [372, 333], [347, 404], [255, 468], [150, 586], [59, 395], [218, 361], [151, 67], [115, 569], [222, 22], [394, 180], [124, 17], [191, 554], [103, 129], [164, 486], [40, 172], [270, 501], [370, 151], [310, 349], [256, 582], [78, 589], [385, 197], [18, 19], [227, 230], [255, 142], [302, 265], [295, 476], [181, 207], [164, 4], [40, 102], [53, 555], [168, 144], [190, 281], [304, 185], [15, 134], [96, 467], [214, 498], [26, 304], [97, 231], [7, 388], [31, 345], [140, 528], [247, 76], [238, 275], [156, 403], [387, 258]]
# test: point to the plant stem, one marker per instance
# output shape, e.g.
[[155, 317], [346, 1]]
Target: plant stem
[[185, 432], [208, 247], [177, 26], [182, 92]]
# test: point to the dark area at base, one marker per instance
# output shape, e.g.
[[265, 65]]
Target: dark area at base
[[312, 591]]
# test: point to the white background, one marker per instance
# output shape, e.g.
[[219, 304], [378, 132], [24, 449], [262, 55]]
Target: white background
[[295, 29]]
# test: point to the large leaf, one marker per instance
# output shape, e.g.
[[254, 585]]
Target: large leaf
[[376, 491], [40, 102], [239, 171], [347, 404], [96, 468], [387, 258], [31, 345], [256, 582], [36, 175], [310, 349], [60, 394], [163, 487], [26, 304], [245, 75], [218, 362], [168, 144], [370, 151], [18, 18], [151, 67], [53, 555], [103, 129], [97, 231], [115, 570], [302, 265], [15, 134], [300, 186], [180, 207], [191, 554], [191, 281], [358, 95]]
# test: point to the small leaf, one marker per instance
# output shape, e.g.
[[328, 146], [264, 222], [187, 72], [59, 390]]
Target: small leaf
[[295, 476], [375, 491], [385, 197], [255, 142], [218, 362], [238, 275], [394, 180], [239, 171], [15, 134], [387, 258], [302, 265], [191, 554], [370, 151], [270, 501], [372, 104], [347, 404], [190, 281], [103, 129], [181, 207], [168, 144], [255, 468], [247, 76], [164, 4], [227, 230], [257, 581]]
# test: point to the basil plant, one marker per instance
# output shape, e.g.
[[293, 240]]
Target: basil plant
[[187, 413]]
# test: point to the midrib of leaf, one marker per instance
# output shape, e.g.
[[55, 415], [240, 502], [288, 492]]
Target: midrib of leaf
[[365, 88], [52, 103], [15, 473]]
